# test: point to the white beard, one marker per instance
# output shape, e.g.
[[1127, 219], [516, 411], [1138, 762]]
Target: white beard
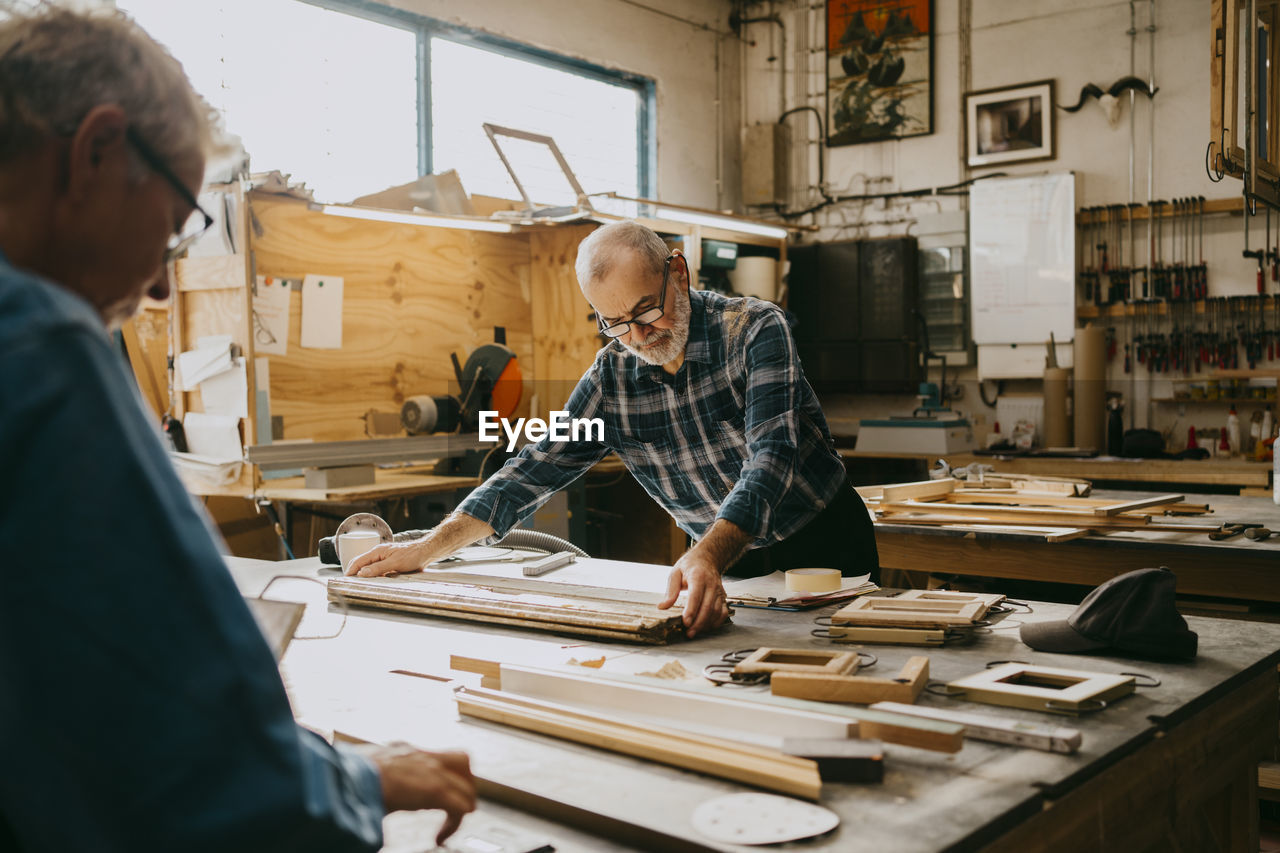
[[666, 345]]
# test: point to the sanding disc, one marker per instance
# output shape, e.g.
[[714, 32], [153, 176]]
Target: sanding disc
[[364, 521], [761, 819]]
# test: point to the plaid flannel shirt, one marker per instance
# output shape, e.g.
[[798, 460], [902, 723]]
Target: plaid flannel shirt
[[736, 433]]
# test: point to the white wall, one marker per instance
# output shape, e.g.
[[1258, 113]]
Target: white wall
[[685, 46], [1013, 42]]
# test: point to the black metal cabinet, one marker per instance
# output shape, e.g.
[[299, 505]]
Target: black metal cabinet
[[856, 304]]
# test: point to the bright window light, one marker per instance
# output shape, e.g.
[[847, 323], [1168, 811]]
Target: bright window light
[[326, 96], [594, 124]]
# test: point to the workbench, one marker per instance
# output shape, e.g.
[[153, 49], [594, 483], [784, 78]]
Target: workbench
[[1169, 765], [1236, 568]]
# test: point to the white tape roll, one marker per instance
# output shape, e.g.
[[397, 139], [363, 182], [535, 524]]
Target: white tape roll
[[813, 580], [355, 543]]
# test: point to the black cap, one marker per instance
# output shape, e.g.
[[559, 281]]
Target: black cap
[[1132, 614]]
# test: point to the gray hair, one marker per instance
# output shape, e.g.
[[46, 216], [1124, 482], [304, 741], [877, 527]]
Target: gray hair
[[57, 64], [598, 253]]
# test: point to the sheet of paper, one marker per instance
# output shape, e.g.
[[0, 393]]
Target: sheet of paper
[[197, 365], [322, 312], [219, 239], [271, 316], [227, 393], [775, 586], [215, 437]]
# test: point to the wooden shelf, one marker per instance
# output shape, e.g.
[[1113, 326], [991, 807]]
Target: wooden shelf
[[1130, 309], [1233, 205], [1223, 400]]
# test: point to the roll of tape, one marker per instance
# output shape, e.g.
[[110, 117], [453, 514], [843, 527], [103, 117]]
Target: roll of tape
[[355, 543], [813, 580]]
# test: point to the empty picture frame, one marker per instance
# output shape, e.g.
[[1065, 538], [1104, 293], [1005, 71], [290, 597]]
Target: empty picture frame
[[821, 661], [1044, 688], [896, 612], [1010, 125], [538, 178]]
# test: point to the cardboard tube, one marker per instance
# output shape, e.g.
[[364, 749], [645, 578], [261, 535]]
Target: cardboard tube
[[813, 580], [1091, 387], [1057, 424]]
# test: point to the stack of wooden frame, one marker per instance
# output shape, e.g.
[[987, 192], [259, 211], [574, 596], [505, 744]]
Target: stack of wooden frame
[[562, 608], [737, 737], [916, 617], [1059, 516]]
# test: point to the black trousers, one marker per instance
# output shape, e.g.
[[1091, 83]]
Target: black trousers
[[840, 537]]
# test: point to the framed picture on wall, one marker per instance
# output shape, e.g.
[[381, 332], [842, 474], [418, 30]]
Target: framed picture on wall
[[879, 70], [1010, 125]]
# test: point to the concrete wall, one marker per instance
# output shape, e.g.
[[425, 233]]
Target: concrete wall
[[1013, 42], [684, 45]]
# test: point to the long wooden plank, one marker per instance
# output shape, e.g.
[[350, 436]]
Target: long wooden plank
[[1141, 503], [920, 490], [1098, 523], [993, 496], [654, 703], [893, 728], [772, 770]]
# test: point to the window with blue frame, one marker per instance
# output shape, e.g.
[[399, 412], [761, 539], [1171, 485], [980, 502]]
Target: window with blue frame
[[353, 97]]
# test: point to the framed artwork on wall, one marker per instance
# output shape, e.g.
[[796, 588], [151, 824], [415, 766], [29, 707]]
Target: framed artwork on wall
[[879, 70], [1010, 125]]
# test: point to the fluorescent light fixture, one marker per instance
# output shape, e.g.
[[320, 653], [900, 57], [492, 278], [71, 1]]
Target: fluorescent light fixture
[[407, 217], [725, 222]]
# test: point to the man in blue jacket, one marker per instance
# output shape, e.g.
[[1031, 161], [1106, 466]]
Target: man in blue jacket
[[140, 707]]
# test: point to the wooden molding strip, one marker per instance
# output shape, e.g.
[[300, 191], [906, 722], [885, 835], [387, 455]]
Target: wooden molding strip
[[996, 729], [769, 769]]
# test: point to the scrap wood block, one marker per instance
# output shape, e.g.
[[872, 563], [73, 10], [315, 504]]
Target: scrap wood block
[[824, 661], [848, 760], [857, 689]]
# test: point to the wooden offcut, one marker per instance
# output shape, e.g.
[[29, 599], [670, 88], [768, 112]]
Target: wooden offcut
[[855, 689]]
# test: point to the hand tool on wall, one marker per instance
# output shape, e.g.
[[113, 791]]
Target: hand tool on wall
[[1260, 254]]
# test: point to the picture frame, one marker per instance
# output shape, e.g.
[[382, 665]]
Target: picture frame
[[879, 70], [1010, 124]]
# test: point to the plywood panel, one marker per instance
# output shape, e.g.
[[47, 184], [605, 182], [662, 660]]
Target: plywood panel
[[412, 296], [146, 337], [565, 342]]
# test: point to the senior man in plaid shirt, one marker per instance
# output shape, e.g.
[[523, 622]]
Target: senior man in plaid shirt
[[703, 398]]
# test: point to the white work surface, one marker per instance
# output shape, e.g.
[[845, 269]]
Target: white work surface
[[928, 801]]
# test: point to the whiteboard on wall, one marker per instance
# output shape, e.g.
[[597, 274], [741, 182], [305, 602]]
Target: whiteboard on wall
[[1022, 251]]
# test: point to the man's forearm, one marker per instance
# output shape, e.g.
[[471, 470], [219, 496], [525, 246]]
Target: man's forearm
[[458, 530], [724, 544]]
